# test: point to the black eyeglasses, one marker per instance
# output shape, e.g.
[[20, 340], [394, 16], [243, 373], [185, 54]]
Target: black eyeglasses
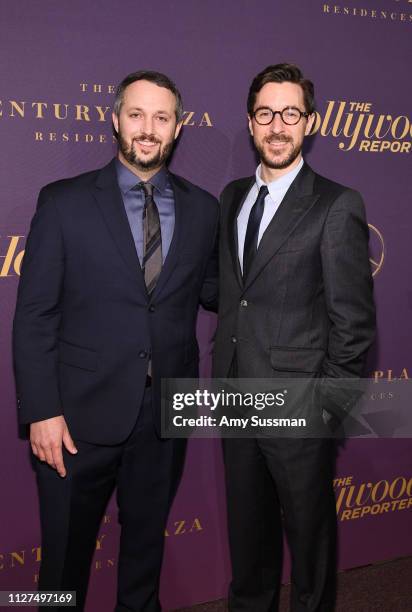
[[289, 115]]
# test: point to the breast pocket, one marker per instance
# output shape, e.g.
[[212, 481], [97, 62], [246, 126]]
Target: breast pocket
[[190, 265], [190, 257], [291, 246], [303, 238]]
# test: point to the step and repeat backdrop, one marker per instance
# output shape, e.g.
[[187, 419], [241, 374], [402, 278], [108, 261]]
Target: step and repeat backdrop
[[60, 63]]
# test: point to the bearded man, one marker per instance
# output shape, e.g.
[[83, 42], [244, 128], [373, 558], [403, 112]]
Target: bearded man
[[295, 301], [116, 264]]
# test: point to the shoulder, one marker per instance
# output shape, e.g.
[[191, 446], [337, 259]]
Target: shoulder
[[238, 185], [198, 193], [342, 203], [336, 193], [68, 187]]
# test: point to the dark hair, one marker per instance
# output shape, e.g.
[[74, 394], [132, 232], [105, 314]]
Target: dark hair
[[282, 73], [153, 77]]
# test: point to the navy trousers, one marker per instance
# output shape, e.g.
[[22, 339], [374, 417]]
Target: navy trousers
[[145, 470]]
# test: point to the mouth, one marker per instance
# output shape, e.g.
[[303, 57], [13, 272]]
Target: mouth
[[146, 144], [277, 145], [277, 142]]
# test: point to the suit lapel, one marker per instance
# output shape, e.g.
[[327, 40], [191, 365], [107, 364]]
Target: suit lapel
[[182, 230], [297, 202], [110, 203], [239, 194]]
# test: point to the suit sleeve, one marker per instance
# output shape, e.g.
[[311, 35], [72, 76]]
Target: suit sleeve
[[209, 290], [348, 287], [37, 316], [349, 297]]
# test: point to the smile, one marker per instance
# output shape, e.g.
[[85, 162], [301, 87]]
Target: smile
[[147, 143], [277, 144]]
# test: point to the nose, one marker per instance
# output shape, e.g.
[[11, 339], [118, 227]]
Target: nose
[[277, 124], [147, 124]]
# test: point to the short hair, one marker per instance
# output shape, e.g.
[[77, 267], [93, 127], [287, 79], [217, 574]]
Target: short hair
[[153, 77], [282, 73]]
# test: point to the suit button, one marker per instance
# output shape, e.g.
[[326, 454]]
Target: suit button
[[143, 354], [151, 308], [234, 339], [243, 303]]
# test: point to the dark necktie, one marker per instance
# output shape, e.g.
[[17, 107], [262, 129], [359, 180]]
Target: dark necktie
[[252, 231], [152, 239]]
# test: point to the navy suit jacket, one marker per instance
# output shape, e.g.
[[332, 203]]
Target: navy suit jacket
[[85, 327]]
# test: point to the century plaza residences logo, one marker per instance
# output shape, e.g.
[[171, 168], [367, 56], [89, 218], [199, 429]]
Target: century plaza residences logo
[[394, 11], [28, 558], [357, 127], [90, 118]]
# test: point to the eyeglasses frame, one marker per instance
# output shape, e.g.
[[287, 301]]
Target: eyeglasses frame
[[302, 114]]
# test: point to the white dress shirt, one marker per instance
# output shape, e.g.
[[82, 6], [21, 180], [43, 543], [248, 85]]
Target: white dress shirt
[[277, 190]]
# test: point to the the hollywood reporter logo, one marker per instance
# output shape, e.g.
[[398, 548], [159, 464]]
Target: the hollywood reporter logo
[[358, 127], [356, 501], [10, 260]]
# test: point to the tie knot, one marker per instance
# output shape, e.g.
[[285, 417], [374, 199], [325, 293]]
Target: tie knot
[[147, 188], [263, 192]]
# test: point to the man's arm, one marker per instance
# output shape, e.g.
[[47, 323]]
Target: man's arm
[[210, 287], [35, 332], [348, 288]]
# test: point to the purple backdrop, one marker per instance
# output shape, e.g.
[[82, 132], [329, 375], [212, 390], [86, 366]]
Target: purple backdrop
[[59, 65]]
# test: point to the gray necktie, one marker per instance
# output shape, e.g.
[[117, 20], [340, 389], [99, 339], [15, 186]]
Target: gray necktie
[[152, 239]]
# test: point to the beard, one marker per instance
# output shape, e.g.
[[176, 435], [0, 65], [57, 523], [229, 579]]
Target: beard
[[156, 160], [280, 160]]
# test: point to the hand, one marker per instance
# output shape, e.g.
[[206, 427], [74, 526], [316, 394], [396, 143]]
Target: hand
[[46, 438]]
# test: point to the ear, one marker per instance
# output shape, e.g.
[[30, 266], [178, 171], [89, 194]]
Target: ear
[[250, 124], [178, 128], [309, 123], [115, 120]]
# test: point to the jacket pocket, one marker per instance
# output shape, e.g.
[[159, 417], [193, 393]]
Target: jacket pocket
[[299, 359], [77, 356], [292, 246]]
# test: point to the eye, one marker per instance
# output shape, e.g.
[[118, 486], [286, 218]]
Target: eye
[[162, 118], [135, 115], [264, 113], [291, 112]]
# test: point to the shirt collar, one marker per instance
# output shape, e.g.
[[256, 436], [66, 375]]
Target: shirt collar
[[127, 180], [282, 183]]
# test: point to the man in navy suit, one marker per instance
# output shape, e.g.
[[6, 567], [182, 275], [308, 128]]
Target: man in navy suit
[[116, 264]]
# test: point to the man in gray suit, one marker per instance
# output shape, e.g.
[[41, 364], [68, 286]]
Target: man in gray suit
[[295, 300]]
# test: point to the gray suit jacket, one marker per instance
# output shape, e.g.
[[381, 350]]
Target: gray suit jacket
[[306, 307]]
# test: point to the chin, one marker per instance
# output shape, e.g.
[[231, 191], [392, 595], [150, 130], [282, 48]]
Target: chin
[[146, 161], [277, 163], [148, 164]]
